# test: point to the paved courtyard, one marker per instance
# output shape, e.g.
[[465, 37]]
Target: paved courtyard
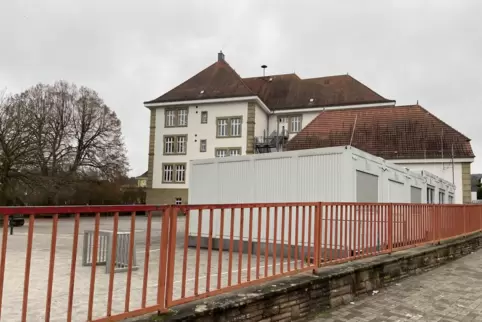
[[449, 293], [15, 268]]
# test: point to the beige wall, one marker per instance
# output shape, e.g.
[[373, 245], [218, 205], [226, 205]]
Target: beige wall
[[165, 196], [466, 189]]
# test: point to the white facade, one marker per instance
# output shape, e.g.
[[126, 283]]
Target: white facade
[[338, 174], [328, 174], [443, 168], [194, 133]]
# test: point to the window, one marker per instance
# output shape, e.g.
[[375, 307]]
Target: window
[[182, 117], [178, 201], [451, 199], [283, 119], [295, 124], [441, 196], [202, 146], [235, 127], [229, 127], [181, 144], [430, 194], [224, 152], [176, 117], [175, 144], [204, 117], [174, 173]]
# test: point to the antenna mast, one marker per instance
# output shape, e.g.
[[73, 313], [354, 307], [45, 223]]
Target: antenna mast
[[353, 132]]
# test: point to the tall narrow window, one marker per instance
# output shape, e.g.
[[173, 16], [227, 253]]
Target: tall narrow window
[[202, 146], [169, 144], [181, 144], [204, 117], [182, 117], [171, 118], [235, 127], [168, 173], [222, 127], [180, 173], [295, 124]]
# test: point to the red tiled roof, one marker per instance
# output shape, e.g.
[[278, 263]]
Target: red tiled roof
[[216, 81], [401, 132], [277, 91]]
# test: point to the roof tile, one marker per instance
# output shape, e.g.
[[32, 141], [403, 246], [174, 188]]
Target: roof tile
[[401, 132]]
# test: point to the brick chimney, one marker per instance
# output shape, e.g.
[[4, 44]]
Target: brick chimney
[[220, 56]]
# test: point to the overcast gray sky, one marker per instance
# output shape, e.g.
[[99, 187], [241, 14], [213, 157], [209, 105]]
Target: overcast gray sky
[[132, 51]]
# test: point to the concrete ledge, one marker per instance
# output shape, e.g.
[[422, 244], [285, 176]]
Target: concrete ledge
[[296, 297]]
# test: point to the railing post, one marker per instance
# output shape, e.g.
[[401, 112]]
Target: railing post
[[171, 257], [390, 228], [317, 234]]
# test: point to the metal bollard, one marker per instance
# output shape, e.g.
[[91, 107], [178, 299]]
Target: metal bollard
[[10, 222]]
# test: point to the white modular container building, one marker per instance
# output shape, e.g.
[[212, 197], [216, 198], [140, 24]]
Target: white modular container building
[[337, 174]]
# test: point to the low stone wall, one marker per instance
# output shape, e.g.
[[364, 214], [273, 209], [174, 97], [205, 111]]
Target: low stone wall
[[297, 297]]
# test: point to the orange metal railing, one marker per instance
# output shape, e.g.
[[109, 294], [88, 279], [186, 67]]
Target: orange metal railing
[[195, 251]]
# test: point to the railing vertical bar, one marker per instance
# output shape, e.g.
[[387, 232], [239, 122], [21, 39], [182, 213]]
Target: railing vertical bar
[[73, 264], [275, 236], [240, 243], [164, 243], [290, 226], [210, 250], [311, 217], [231, 246], [53, 245], [250, 243], [171, 257], [297, 218], [93, 267], [185, 253], [146, 259], [258, 245], [3, 259], [303, 228], [266, 244], [130, 261], [282, 250], [220, 248], [198, 252]]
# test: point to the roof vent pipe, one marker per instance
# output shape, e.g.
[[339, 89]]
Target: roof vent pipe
[[264, 69], [220, 56]]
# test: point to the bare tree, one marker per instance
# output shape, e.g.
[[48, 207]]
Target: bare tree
[[61, 135]]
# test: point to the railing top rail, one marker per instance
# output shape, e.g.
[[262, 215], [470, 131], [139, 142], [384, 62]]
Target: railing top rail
[[35, 210]]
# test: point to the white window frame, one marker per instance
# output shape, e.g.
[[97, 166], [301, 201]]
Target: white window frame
[[203, 145], [235, 127], [175, 144], [204, 117], [170, 118], [295, 123], [441, 196], [227, 152], [430, 194], [182, 117], [174, 173], [229, 127], [176, 117]]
